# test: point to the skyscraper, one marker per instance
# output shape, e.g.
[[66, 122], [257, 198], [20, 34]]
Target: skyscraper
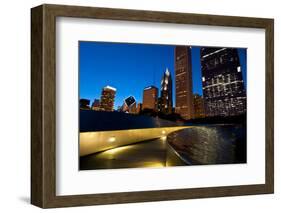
[[158, 104], [198, 105], [223, 86], [133, 108], [139, 108], [130, 105], [107, 98], [96, 105], [184, 96], [166, 98], [150, 95]]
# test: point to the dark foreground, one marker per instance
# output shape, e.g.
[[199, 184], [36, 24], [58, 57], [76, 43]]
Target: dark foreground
[[196, 146], [206, 145], [145, 154]]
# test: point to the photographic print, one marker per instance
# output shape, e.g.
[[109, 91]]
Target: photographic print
[[154, 105], [141, 96]]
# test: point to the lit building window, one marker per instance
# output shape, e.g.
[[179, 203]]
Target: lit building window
[[239, 69]]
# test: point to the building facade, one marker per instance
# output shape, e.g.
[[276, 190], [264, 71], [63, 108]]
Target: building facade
[[150, 96], [166, 95], [107, 98], [139, 108], [130, 105], [96, 105], [183, 72], [198, 105], [159, 104], [223, 86]]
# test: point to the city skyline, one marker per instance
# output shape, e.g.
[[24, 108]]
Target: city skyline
[[133, 67], [161, 105]]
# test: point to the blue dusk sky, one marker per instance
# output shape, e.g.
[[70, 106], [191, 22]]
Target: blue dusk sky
[[131, 67]]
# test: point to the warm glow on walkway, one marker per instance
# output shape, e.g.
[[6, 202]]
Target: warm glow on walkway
[[92, 142]]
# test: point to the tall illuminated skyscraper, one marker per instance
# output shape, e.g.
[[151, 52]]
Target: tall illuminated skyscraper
[[183, 72], [107, 98], [223, 86], [166, 98], [150, 96]]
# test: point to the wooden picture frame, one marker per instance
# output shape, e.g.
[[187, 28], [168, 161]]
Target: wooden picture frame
[[43, 105]]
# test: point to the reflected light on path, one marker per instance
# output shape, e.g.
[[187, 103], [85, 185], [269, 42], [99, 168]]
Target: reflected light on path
[[116, 150], [155, 164], [163, 138], [120, 154], [93, 142]]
